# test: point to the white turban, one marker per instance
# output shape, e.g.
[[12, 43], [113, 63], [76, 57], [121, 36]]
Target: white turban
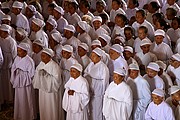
[[48, 51], [57, 37], [77, 66], [22, 32], [39, 42], [159, 32], [161, 64], [59, 9], [17, 4], [158, 92], [70, 28], [176, 56], [120, 71], [106, 38], [52, 22], [154, 66], [97, 18], [38, 22], [96, 42], [173, 89], [120, 39], [84, 46], [133, 66], [24, 46], [32, 8], [67, 48], [128, 48], [83, 25], [6, 17], [145, 42], [5, 27], [98, 51], [118, 48]]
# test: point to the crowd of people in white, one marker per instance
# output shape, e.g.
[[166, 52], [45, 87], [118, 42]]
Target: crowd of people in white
[[90, 59]]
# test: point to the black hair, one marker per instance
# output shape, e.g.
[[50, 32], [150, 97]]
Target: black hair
[[52, 5], [104, 16], [164, 24], [144, 28], [129, 28], [85, 3], [74, 5], [173, 11], [124, 18], [142, 11], [119, 2], [154, 5], [158, 15], [177, 19]]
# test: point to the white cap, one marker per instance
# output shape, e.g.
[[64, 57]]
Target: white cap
[[98, 51], [22, 32], [120, 39], [159, 32], [161, 64], [70, 28], [6, 17], [176, 57], [48, 51], [120, 71], [67, 48], [24, 46], [128, 48], [5, 27], [39, 42], [59, 9], [5, 5], [118, 48], [158, 92], [106, 38], [52, 22], [133, 66], [173, 89], [84, 46], [154, 66], [83, 25], [56, 36], [96, 42], [17, 4], [145, 41], [96, 18], [77, 66], [38, 22]]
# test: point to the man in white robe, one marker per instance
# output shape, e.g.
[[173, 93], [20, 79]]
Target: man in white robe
[[48, 80], [118, 98], [76, 95]]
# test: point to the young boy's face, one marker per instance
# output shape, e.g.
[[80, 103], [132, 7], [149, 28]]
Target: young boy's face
[[127, 54], [74, 73], [151, 73], [139, 18], [175, 24], [119, 21], [66, 54], [145, 48], [21, 53], [171, 2], [157, 99], [174, 63], [115, 5], [36, 48], [94, 57], [134, 73], [128, 34], [142, 34], [96, 24], [159, 39], [81, 51], [113, 54], [99, 8]]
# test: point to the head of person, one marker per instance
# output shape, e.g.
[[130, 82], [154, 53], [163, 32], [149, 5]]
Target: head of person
[[67, 51], [157, 16], [174, 91], [37, 24], [170, 13], [128, 52], [76, 70], [22, 49], [30, 10], [128, 32], [5, 7], [145, 45], [119, 40], [95, 44], [100, 6], [104, 39], [115, 51], [20, 34], [37, 46], [175, 60], [54, 39], [97, 22], [104, 18], [69, 31], [84, 6], [4, 31], [171, 2], [162, 24], [133, 71], [116, 4], [162, 67], [83, 49], [132, 4], [121, 20], [96, 55], [73, 6], [82, 27], [152, 69], [175, 24], [6, 20], [51, 24], [17, 7], [153, 7], [50, 9], [66, 6], [58, 12], [140, 16], [142, 32], [119, 75], [158, 96], [159, 36], [47, 55]]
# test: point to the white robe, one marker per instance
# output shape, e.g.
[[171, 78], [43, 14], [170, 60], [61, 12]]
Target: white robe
[[141, 96], [94, 34], [76, 105], [159, 112], [113, 13], [74, 19], [62, 23], [48, 80], [131, 12], [173, 34], [84, 61], [98, 78], [22, 22], [85, 38], [118, 106], [22, 71], [118, 31]]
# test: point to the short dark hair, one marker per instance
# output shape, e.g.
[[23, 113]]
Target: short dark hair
[[144, 28], [142, 11]]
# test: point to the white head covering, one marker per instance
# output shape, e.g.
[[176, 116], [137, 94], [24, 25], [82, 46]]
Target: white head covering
[[120, 71], [128, 48], [22, 32], [59, 9], [158, 92], [38, 22], [98, 51], [24, 46], [5, 5], [77, 66], [48, 51], [96, 42], [6, 17], [97, 18], [176, 56], [84, 46], [83, 25], [56, 36], [70, 28], [173, 89], [106, 38], [161, 64], [133, 66], [39, 42], [154, 66], [118, 48], [145, 42], [159, 32], [5, 27], [32, 8], [17, 4], [67, 48], [120, 39], [52, 22]]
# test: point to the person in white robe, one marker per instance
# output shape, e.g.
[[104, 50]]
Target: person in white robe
[[118, 98], [76, 96], [174, 100], [22, 72], [129, 54], [141, 92], [105, 42], [132, 7], [48, 80], [171, 4], [152, 76], [97, 74], [51, 26], [9, 51], [158, 109]]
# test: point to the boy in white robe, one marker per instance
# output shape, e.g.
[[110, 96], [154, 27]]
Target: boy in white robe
[[128, 55], [22, 72], [141, 92], [118, 98], [48, 80], [97, 75], [105, 41], [51, 26], [159, 109], [76, 95]]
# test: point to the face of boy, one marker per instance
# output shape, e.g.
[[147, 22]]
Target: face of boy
[[159, 39], [151, 73], [117, 78], [74, 73], [157, 99], [145, 48]]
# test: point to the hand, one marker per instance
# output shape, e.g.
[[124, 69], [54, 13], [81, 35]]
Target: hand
[[175, 103], [71, 92]]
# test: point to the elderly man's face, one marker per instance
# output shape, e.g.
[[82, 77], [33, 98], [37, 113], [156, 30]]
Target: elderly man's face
[[157, 99]]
